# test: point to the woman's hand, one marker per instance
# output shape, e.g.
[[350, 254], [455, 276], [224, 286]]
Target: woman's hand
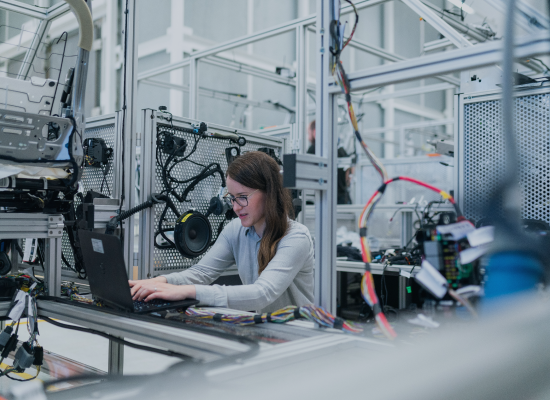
[[157, 288]]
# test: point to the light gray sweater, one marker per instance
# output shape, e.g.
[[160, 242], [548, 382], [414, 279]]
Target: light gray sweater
[[287, 279]]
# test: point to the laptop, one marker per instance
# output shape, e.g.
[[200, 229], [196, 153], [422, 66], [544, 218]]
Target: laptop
[[104, 263]]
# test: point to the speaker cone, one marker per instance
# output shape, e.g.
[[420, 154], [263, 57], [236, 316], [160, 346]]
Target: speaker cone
[[192, 234]]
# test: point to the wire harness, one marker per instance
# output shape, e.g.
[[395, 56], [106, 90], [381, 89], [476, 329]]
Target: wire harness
[[315, 314], [367, 284]]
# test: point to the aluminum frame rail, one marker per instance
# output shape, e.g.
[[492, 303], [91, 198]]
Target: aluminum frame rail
[[35, 12], [480, 55], [326, 145], [197, 345], [40, 226]]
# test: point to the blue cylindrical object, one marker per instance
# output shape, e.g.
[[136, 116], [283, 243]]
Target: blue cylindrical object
[[511, 273]]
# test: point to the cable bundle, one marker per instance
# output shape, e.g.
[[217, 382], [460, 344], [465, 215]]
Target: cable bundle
[[367, 284], [309, 312], [324, 318]]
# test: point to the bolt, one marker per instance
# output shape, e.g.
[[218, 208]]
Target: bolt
[[322, 49], [51, 232], [321, 181], [59, 232]]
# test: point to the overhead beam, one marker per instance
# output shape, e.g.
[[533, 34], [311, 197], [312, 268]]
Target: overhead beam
[[33, 11], [214, 94], [481, 55], [265, 34], [408, 92], [438, 23]]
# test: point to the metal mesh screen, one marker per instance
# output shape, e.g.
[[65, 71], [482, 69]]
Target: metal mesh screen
[[93, 179], [485, 158], [209, 150]]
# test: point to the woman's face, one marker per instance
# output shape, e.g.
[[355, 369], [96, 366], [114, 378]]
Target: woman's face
[[253, 214]]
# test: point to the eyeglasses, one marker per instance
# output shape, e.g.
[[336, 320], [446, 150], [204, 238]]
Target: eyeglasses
[[240, 200]]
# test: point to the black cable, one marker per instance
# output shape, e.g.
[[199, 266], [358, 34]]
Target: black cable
[[116, 339], [104, 181], [67, 263]]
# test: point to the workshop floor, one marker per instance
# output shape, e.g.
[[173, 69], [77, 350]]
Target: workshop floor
[[89, 351]]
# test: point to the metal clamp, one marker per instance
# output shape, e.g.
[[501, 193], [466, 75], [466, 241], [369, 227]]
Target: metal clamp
[[303, 171]]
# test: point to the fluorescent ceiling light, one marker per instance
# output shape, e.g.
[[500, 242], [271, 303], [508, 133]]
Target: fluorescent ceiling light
[[464, 6]]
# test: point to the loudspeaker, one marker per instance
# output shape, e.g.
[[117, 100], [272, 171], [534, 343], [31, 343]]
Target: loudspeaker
[[192, 234]]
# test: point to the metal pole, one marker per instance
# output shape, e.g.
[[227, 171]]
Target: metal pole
[[129, 129], [116, 358], [406, 227], [52, 273], [325, 146], [301, 80], [193, 87]]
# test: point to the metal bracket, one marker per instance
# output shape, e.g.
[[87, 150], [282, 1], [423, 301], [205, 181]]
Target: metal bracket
[[302, 171]]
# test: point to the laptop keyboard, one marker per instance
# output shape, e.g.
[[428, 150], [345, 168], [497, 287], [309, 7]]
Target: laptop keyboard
[[150, 305]]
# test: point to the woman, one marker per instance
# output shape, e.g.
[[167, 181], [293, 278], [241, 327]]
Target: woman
[[274, 254]]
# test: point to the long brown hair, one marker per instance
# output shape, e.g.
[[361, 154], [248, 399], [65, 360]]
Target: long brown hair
[[257, 170]]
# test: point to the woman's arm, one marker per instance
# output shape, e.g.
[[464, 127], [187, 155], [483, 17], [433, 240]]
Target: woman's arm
[[292, 253], [180, 285], [209, 268]]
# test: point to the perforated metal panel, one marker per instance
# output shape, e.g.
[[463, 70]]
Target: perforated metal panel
[[104, 127], [484, 155], [157, 261]]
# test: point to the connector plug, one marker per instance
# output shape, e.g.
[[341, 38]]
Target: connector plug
[[38, 356], [10, 346], [24, 357], [5, 336]]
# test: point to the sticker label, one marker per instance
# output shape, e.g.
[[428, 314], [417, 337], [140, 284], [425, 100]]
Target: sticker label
[[457, 230], [98, 246], [185, 218]]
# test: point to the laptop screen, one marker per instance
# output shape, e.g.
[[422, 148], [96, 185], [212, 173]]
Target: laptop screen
[[104, 263]]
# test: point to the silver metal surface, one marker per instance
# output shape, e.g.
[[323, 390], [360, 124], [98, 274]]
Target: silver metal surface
[[301, 89], [34, 96], [238, 42], [481, 155], [483, 54], [127, 128], [197, 345], [35, 12], [309, 172], [469, 30], [376, 269], [408, 92], [325, 146], [193, 87], [386, 55], [215, 94], [407, 230], [24, 139], [529, 18], [42, 226], [116, 358], [439, 24], [154, 261]]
